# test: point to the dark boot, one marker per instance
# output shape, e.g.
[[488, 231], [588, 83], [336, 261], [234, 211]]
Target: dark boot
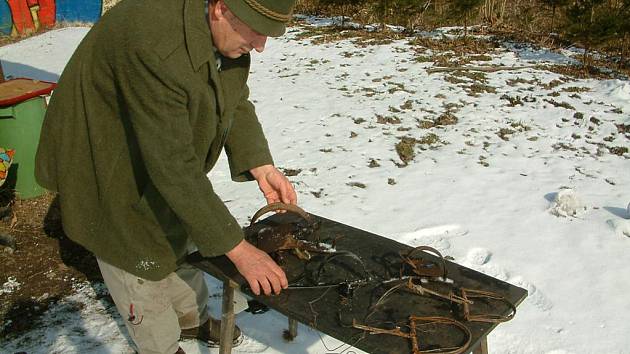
[[210, 333]]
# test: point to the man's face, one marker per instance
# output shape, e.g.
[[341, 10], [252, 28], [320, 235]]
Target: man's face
[[231, 36]]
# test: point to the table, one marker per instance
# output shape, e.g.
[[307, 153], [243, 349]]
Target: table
[[380, 255]]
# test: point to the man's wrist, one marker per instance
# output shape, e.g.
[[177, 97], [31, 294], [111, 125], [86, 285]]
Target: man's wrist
[[259, 171]]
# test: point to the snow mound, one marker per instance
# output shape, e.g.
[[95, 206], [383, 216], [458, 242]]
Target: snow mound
[[617, 89], [567, 204]]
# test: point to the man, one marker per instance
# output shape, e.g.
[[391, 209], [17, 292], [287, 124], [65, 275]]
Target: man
[[142, 111]]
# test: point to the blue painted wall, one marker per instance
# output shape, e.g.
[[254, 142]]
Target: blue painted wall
[[79, 10], [6, 22]]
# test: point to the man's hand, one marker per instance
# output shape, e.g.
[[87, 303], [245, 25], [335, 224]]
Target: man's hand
[[258, 269], [274, 185]]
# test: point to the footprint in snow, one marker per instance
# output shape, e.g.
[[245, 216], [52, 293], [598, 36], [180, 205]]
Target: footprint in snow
[[478, 256], [436, 237], [479, 259], [534, 296], [249, 345]]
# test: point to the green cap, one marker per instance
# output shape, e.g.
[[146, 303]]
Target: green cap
[[267, 17]]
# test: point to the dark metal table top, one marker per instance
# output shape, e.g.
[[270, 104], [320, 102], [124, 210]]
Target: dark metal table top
[[332, 310]]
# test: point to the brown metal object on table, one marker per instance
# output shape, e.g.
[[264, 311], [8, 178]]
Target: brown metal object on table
[[465, 299], [422, 267], [421, 290], [443, 320], [412, 335], [468, 294], [284, 237]]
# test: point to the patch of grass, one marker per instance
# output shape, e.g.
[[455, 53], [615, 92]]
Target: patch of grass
[[397, 86], [563, 146], [564, 105], [473, 75], [406, 149], [483, 161], [623, 128], [616, 110], [407, 105], [513, 101], [423, 59], [387, 119], [430, 139], [454, 80], [577, 71], [576, 89], [290, 172], [357, 184], [480, 57], [446, 118], [459, 46], [551, 84], [618, 150], [373, 163], [476, 89], [504, 133], [426, 124], [514, 82], [520, 126]]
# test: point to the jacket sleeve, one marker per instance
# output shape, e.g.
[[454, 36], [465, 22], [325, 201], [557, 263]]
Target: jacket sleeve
[[246, 146], [157, 111]]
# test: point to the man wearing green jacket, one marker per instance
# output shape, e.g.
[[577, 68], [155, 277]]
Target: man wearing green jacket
[[144, 107]]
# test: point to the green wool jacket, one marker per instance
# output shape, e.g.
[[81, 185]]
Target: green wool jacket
[[139, 117]]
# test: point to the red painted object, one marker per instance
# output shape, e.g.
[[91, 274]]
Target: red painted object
[[23, 19], [18, 90], [47, 13], [21, 13]]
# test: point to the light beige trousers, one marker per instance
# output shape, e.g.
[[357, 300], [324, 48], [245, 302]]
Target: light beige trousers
[[156, 311]]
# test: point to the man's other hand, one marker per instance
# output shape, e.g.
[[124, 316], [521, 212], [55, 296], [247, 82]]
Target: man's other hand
[[258, 268], [274, 185]]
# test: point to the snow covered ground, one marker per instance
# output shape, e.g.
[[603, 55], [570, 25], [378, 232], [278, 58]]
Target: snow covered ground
[[528, 185]]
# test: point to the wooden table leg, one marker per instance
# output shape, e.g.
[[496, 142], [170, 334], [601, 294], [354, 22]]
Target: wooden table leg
[[483, 346], [227, 318], [293, 324]]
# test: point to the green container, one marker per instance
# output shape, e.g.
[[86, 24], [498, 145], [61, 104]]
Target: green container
[[20, 126]]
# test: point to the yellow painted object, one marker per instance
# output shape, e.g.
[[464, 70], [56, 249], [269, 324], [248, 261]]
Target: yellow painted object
[[6, 158]]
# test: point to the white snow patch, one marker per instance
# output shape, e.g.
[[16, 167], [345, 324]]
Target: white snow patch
[[10, 286], [621, 227], [568, 204]]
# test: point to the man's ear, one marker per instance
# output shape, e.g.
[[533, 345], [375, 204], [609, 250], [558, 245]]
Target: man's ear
[[218, 10]]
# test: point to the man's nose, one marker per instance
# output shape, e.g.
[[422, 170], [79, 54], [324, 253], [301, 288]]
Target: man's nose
[[258, 43]]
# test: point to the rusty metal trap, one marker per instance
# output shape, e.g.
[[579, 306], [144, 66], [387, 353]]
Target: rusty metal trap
[[372, 292]]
